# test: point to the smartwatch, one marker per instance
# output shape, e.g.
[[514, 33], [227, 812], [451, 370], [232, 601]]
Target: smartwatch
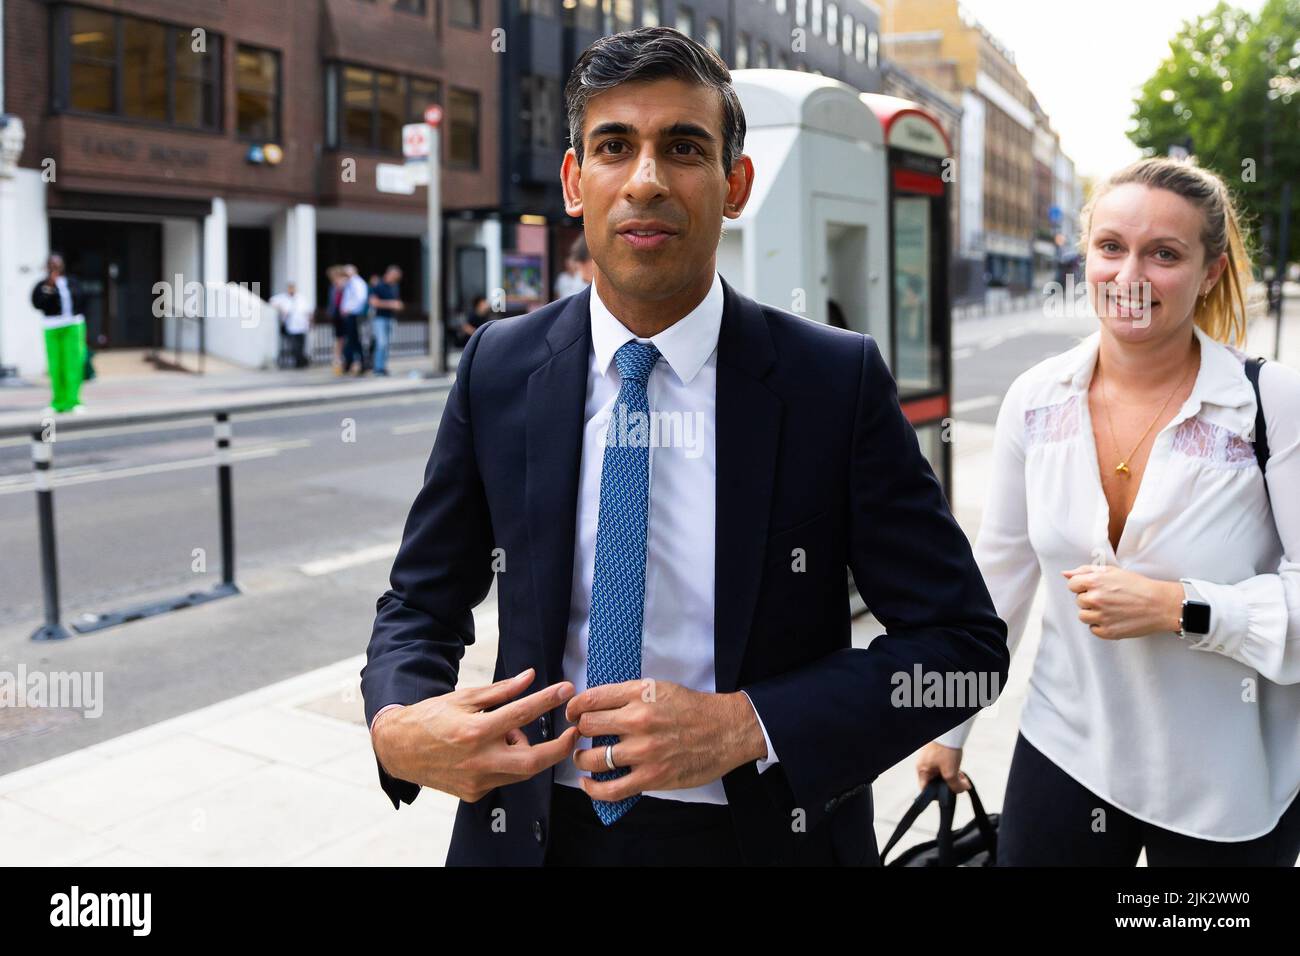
[[1195, 618]]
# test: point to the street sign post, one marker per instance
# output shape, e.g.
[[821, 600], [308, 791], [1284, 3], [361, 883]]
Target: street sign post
[[433, 122]]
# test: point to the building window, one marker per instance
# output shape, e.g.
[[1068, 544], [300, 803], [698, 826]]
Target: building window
[[742, 51], [136, 69], [846, 35], [650, 13], [801, 13], [144, 69], [832, 23], [462, 128], [817, 17], [713, 35], [370, 107], [873, 49], [685, 22], [411, 6], [780, 6], [464, 13], [257, 93], [860, 42], [539, 111], [763, 55]]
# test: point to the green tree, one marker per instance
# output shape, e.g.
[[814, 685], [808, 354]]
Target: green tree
[[1231, 84]]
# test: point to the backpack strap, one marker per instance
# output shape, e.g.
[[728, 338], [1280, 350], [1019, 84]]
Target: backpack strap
[[1253, 366]]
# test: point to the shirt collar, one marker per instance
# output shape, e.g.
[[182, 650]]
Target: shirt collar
[[1220, 381], [685, 345]]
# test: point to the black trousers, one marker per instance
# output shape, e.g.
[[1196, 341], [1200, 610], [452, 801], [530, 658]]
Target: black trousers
[[654, 832], [352, 350], [1050, 819]]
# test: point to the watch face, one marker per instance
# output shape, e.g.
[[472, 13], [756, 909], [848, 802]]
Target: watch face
[[1196, 617]]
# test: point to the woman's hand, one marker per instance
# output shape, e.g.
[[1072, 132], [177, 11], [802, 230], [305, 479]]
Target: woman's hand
[[937, 760], [1116, 604]]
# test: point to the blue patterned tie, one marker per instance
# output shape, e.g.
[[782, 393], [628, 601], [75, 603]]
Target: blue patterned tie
[[618, 582]]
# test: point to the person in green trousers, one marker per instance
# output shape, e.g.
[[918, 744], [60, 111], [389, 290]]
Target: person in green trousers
[[61, 302]]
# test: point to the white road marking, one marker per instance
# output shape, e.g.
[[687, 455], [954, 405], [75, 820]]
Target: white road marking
[[205, 420], [971, 404], [410, 427], [72, 476], [348, 560]]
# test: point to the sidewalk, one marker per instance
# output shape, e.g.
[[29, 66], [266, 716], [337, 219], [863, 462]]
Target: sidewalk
[[126, 383]]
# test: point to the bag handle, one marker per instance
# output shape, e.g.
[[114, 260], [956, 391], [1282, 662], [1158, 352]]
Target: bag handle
[[939, 790], [1253, 366]]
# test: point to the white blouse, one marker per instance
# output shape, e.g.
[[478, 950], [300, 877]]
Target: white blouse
[[1199, 735]]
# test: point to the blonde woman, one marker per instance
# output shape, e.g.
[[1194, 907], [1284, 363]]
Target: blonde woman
[[1163, 709]]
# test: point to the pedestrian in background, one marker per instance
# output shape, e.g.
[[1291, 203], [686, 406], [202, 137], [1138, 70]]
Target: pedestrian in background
[[386, 301], [474, 316], [62, 303], [1163, 710], [353, 305], [577, 274], [338, 277], [295, 321], [369, 336]]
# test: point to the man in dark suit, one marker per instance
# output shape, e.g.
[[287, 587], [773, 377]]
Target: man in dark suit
[[683, 602]]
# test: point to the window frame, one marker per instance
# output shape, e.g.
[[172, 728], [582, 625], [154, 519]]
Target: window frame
[[478, 128], [62, 61], [335, 108], [278, 96]]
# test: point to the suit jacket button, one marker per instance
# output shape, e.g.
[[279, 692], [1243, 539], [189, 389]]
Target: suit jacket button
[[538, 833], [545, 724]]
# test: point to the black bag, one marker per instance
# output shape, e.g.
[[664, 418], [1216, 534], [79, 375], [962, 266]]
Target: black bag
[[1261, 426], [975, 844]]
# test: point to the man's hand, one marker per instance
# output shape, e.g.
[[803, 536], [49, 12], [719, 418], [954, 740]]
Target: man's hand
[[672, 737], [1117, 604], [453, 743]]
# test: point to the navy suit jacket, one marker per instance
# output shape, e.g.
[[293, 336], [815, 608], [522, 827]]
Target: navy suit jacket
[[813, 453]]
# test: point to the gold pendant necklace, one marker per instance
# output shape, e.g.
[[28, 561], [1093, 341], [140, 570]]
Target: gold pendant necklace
[[1122, 468]]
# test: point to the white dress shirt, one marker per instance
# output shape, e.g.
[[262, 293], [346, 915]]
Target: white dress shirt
[[356, 296], [293, 310], [677, 632], [1200, 736]]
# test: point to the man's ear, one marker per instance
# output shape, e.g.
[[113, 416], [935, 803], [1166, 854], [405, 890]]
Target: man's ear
[[571, 183]]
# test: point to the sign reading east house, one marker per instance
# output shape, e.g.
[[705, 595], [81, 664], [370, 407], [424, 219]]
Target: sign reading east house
[[391, 178]]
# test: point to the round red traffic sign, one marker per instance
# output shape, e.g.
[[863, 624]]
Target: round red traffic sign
[[433, 115]]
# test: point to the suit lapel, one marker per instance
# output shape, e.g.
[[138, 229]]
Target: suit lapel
[[748, 436], [557, 393]]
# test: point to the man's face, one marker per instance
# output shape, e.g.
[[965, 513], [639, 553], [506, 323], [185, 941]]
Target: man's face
[[393, 275], [653, 152]]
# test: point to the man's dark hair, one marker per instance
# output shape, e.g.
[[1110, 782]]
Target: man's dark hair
[[653, 53]]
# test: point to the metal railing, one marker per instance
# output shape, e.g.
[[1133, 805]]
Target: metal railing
[[44, 434]]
